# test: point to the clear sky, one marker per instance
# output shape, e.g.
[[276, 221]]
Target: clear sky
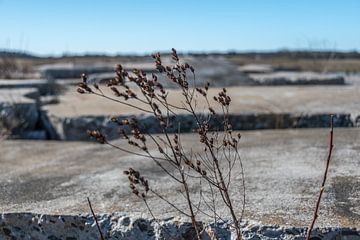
[[134, 26]]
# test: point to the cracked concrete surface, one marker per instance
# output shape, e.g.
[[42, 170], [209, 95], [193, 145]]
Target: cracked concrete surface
[[283, 173]]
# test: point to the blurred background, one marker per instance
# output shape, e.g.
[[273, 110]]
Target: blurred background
[[45, 47]]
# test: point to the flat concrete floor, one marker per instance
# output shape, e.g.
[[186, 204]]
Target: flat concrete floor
[[266, 99], [283, 172]]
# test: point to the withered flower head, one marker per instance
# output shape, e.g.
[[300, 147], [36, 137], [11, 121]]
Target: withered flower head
[[118, 68], [80, 90], [84, 77]]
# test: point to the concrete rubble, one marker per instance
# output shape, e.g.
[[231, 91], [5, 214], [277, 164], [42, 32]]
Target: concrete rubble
[[27, 226]]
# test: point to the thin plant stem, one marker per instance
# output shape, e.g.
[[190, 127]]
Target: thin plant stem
[[96, 221], [322, 188]]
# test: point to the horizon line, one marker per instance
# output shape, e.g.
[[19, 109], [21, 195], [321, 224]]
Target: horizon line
[[182, 52]]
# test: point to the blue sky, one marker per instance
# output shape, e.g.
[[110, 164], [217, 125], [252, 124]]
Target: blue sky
[[134, 26]]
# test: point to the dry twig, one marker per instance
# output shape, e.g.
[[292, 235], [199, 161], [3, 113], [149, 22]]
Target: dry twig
[[95, 219], [322, 188]]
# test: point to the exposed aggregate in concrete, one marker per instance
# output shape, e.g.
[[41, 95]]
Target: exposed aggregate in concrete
[[75, 128], [121, 226]]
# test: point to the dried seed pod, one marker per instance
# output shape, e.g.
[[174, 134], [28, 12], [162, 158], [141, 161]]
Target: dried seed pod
[[80, 90], [212, 111], [207, 86], [118, 68], [192, 69], [174, 55], [136, 192], [83, 78], [160, 150], [116, 91]]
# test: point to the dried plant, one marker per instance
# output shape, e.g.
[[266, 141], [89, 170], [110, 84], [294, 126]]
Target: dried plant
[[95, 219], [212, 168], [322, 188]]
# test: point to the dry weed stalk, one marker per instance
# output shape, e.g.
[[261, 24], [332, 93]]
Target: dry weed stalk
[[322, 188], [214, 165], [95, 219]]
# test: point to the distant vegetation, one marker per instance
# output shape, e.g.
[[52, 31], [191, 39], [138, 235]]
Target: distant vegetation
[[318, 61], [253, 54]]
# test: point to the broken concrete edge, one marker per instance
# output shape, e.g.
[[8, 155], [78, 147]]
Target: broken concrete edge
[[26, 121], [34, 123], [287, 82], [121, 225], [74, 128], [297, 78], [41, 125]]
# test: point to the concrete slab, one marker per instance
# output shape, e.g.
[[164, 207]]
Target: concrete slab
[[283, 172], [256, 68], [17, 96], [298, 78], [252, 108], [263, 99], [19, 115]]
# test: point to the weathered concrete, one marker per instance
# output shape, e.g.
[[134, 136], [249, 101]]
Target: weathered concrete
[[297, 78], [283, 172], [352, 79], [217, 70], [75, 128], [265, 99], [119, 226], [256, 68], [252, 108], [19, 115], [22, 83]]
